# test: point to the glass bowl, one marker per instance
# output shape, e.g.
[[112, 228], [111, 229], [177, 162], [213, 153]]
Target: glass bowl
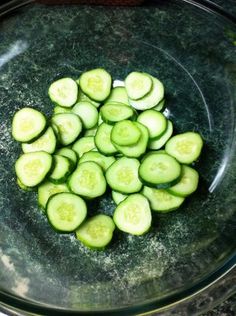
[[191, 48]]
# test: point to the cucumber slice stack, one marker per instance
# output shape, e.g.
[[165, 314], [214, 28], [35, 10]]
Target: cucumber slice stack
[[101, 135]]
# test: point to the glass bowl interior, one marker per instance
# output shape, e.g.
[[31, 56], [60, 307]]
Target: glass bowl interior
[[192, 51]]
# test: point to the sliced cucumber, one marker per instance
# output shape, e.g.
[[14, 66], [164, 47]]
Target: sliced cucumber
[[100, 159], [159, 142], [139, 148], [100, 120], [122, 175], [87, 113], [155, 122], [125, 133], [32, 168], [151, 99], [118, 94], [133, 215], [96, 232], [68, 153], [96, 84], [48, 189], [160, 106], [22, 186], [63, 92], [138, 84], [84, 145], [118, 197], [115, 112], [188, 182], [160, 170], [47, 142], [88, 180], [61, 170], [66, 212], [69, 126], [91, 131], [59, 109], [161, 200], [186, 147], [103, 140], [84, 97], [27, 125]]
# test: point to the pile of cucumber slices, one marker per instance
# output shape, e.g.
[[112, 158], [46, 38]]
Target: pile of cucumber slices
[[104, 136]]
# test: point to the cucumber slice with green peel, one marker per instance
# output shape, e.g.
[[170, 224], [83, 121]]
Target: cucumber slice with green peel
[[69, 126], [139, 148], [47, 142], [125, 133], [96, 84], [68, 153], [133, 215], [66, 212], [63, 92], [88, 180], [122, 176], [138, 84], [91, 131], [118, 197], [118, 94], [160, 106], [96, 232], [187, 184], [27, 125], [159, 142], [160, 170], [23, 187], [32, 168], [161, 200], [155, 122], [48, 189], [87, 113], [59, 109], [151, 99], [84, 97], [100, 119], [103, 161], [61, 170], [186, 147], [84, 145], [103, 140], [115, 112]]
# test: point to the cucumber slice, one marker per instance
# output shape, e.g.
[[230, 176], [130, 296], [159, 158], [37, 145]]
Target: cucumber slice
[[139, 148], [88, 180], [61, 170], [151, 99], [100, 120], [87, 113], [96, 84], [48, 189], [161, 200], [22, 186], [138, 84], [186, 147], [91, 131], [125, 133], [160, 170], [68, 153], [32, 168], [63, 92], [66, 211], [103, 139], [118, 94], [160, 106], [59, 109], [103, 161], [84, 145], [155, 122], [188, 182], [133, 215], [160, 141], [118, 197], [96, 232], [115, 112], [122, 176], [47, 142], [69, 126], [84, 97], [27, 125]]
